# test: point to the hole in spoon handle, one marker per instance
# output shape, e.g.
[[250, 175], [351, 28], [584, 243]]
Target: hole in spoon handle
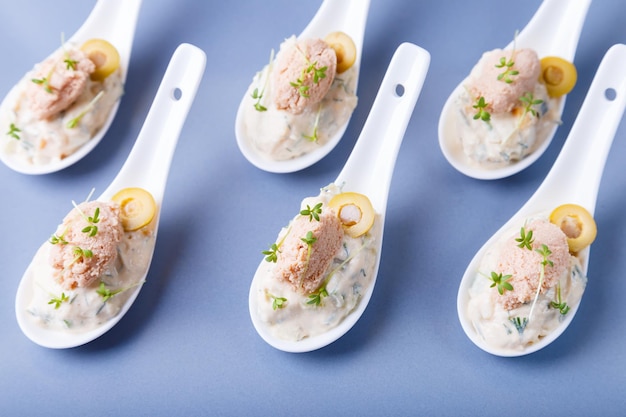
[[148, 164], [373, 158]]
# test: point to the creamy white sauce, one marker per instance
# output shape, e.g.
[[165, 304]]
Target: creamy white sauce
[[280, 135], [497, 326], [42, 142], [351, 273], [507, 137], [86, 308]]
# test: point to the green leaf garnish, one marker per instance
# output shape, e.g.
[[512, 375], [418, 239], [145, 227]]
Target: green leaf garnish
[[81, 253], [58, 300], [559, 304], [501, 282], [272, 253], [317, 297], [508, 71], [313, 137], [313, 213], [545, 252], [106, 293], [481, 113], [318, 74], [70, 63], [309, 239], [54, 239], [92, 229], [258, 95], [526, 239], [277, 302], [72, 123], [14, 131], [529, 102]]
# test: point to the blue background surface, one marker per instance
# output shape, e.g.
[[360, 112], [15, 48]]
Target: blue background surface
[[187, 346]]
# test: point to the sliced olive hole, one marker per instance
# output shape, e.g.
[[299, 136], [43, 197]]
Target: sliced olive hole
[[339, 51], [553, 75], [131, 206], [99, 58], [571, 226], [350, 214], [610, 94]]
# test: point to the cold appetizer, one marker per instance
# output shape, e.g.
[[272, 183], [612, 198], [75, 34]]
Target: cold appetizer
[[85, 272], [320, 266], [61, 103], [301, 98], [528, 282], [510, 105]]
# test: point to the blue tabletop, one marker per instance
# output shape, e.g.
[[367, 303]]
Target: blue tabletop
[[188, 347]]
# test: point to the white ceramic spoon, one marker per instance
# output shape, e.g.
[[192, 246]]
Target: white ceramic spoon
[[554, 30], [348, 16], [147, 167], [368, 171], [114, 21], [574, 178]]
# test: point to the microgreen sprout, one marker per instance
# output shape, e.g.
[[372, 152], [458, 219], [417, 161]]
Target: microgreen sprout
[[81, 253], [501, 282], [317, 297], [45, 81], [508, 71], [271, 255], [313, 213], [72, 123], [258, 94], [519, 323], [529, 101], [313, 137], [14, 131], [559, 304], [481, 112], [58, 300], [309, 239], [55, 239], [106, 293], [526, 239], [69, 62], [277, 302], [92, 229], [318, 74], [544, 251]]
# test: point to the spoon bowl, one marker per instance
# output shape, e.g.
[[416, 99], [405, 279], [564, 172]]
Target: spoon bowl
[[554, 30], [348, 16], [587, 146], [147, 167], [115, 21], [368, 171]]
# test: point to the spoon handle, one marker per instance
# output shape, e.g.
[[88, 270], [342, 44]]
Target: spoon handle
[[113, 20], [349, 15], [370, 166], [554, 28], [576, 173], [148, 163]]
